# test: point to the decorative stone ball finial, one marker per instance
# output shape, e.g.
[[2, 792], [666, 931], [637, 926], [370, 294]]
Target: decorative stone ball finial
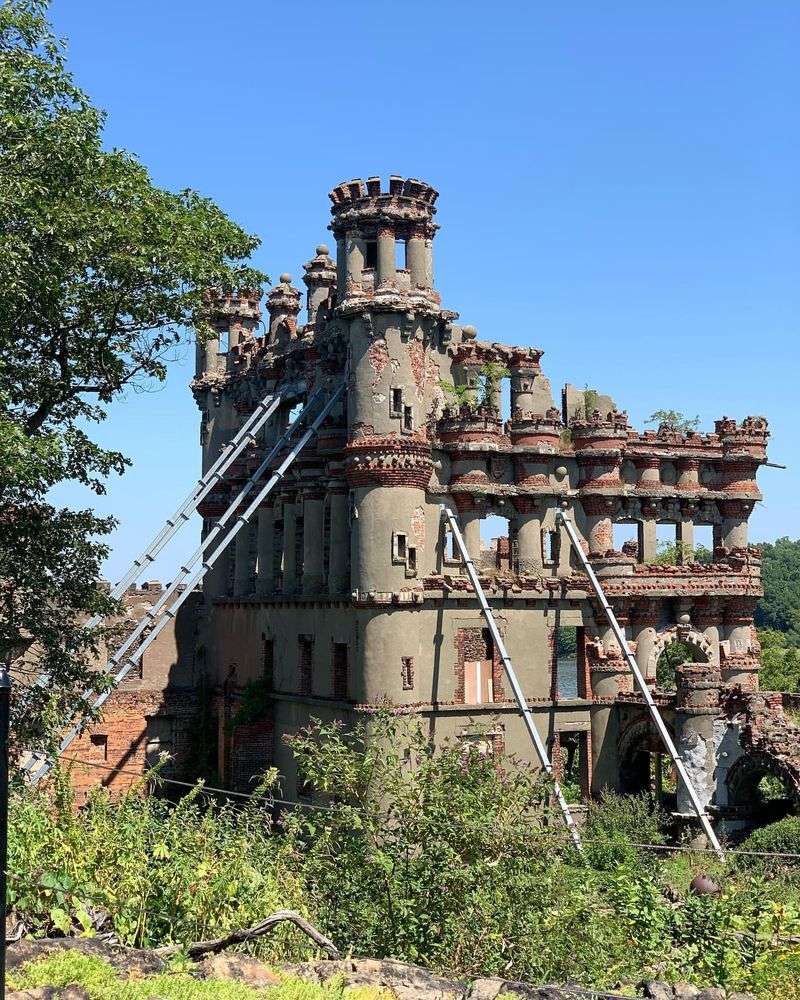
[[286, 278], [469, 332], [322, 250]]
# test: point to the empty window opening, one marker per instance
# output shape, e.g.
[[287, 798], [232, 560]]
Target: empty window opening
[[160, 739], [408, 418], [99, 743], [397, 401], [573, 765], [371, 254], [674, 654], [407, 672], [703, 543], [495, 545], [551, 545], [294, 413], [305, 662], [340, 670], [399, 546], [667, 544], [224, 341], [505, 400], [277, 551], [565, 657], [400, 255], [626, 539], [411, 560]]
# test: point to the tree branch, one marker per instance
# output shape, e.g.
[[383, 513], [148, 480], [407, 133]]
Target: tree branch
[[199, 948]]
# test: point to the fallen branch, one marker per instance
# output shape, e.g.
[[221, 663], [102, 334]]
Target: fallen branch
[[199, 948]]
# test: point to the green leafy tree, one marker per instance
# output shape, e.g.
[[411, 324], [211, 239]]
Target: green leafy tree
[[101, 275], [780, 572], [670, 553], [674, 420]]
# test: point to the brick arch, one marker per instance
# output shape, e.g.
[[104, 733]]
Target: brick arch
[[678, 633], [744, 776], [638, 737]]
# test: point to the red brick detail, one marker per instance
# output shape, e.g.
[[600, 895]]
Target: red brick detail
[[476, 644], [388, 462]]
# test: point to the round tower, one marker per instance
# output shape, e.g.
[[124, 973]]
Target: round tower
[[391, 314]]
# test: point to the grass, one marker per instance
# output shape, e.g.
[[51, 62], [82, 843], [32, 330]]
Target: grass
[[102, 982]]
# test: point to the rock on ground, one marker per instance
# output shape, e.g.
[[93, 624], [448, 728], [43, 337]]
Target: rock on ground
[[406, 982]]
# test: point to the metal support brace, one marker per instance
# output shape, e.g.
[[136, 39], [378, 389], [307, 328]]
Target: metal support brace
[[170, 613], [230, 452], [619, 635], [525, 710]]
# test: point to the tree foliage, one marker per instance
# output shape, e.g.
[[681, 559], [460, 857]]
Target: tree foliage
[[101, 275], [780, 572], [673, 420]]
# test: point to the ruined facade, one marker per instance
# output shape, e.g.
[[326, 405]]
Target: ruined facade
[[345, 592]]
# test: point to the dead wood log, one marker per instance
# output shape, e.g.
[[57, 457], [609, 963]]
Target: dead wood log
[[199, 948]]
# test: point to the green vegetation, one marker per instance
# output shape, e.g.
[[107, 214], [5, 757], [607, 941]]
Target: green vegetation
[[780, 607], [103, 982], [483, 393], [441, 857], [673, 420], [101, 275], [671, 553]]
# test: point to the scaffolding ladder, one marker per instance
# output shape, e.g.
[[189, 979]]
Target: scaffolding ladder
[[619, 635], [522, 703], [156, 618]]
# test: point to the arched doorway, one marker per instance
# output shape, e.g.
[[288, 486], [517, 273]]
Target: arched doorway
[[644, 766], [762, 789]]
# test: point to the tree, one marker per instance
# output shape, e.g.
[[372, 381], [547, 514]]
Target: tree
[[780, 572], [673, 420], [101, 276]]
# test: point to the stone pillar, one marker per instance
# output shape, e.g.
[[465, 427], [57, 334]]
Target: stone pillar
[[688, 474], [684, 534], [313, 575], [741, 664], [339, 557], [341, 265], [649, 472], [469, 518], [644, 629], [734, 523], [609, 676], [320, 280], [706, 615], [415, 260], [283, 305], [289, 553], [386, 272], [696, 707], [265, 583], [356, 255], [599, 533], [530, 560], [648, 546], [242, 580]]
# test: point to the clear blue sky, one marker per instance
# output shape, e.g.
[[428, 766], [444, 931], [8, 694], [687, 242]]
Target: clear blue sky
[[619, 185]]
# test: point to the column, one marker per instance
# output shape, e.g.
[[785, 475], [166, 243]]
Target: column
[[355, 258], [529, 537], [697, 706], [644, 629], [338, 559], [313, 576], [684, 534], [599, 533], [264, 549], [415, 259], [289, 553], [609, 676], [469, 519], [706, 615], [648, 540], [386, 260], [341, 265], [734, 524]]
